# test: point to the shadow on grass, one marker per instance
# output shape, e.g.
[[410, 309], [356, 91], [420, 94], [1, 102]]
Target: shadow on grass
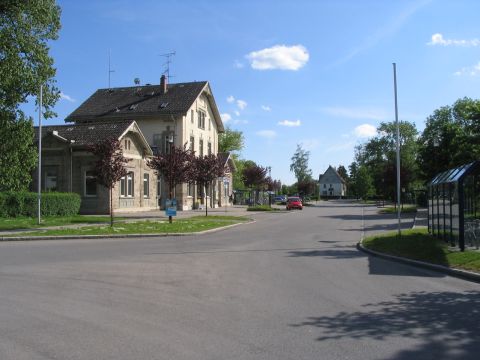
[[446, 324]]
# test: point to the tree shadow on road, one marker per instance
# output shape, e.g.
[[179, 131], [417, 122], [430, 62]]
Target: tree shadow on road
[[446, 323], [338, 252]]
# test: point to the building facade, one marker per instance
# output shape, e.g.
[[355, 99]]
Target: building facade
[[68, 166], [181, 115], [331, 184]]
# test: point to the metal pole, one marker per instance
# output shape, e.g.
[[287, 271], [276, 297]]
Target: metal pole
[[40, 155], [398, 147]]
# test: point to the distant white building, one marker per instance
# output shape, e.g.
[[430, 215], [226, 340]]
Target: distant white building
[[332, 184]]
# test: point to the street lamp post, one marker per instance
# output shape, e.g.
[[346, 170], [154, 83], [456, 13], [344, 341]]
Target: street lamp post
[[398, 147]]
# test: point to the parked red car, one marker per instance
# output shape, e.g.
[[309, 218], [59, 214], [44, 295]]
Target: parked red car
[[294, 202]]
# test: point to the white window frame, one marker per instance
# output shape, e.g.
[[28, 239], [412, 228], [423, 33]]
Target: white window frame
[[146, 185], [127, 185]]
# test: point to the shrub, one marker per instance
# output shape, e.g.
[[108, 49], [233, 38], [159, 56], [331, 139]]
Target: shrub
[[260, 208], [13, 204]]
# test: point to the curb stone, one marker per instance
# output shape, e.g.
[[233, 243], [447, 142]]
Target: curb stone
[[458, 273]]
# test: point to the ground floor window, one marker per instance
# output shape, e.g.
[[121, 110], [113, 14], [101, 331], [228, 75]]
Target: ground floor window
[[191, 189], [146, 185], [90, 183], [50, 182], [126, 185]]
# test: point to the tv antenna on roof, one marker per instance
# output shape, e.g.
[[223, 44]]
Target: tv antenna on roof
[[110, 71], [167, 63]]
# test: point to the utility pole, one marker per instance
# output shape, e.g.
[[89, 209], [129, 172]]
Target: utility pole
[[398, 148], [40, 155]]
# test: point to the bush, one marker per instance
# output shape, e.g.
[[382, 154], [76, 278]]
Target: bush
[[260, 208], [13, 204]]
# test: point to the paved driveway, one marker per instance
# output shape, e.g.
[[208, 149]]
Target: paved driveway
[[290, 286]]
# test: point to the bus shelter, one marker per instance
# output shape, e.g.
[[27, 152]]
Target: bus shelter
[[454, 206]]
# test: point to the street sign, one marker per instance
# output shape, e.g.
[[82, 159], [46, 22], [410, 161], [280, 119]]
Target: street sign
[[171, 207]]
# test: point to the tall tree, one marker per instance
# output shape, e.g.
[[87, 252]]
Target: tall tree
[[231, 141], [379, 156], [207, 169], [451, 138], [364, 183], [26, 27], [109, 166], [342, 172], [254, 177], [299, 165], [176, 167]]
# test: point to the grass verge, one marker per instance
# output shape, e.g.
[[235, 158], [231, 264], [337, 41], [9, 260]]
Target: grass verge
[[392, 210], [417, 244], [30, 223], [190, 225]]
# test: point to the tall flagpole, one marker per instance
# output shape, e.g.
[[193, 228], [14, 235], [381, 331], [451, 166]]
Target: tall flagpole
[[40, 154], [398, 147]]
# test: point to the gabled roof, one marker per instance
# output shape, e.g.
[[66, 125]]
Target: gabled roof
[[330, 174], [81, 135], [143, 101], [225, 159]]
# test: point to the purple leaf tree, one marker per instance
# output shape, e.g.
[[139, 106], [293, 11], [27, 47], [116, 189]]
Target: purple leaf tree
[[207, 169], [176, 167], [110, 165]]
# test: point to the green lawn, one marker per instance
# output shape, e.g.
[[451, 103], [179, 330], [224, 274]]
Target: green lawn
[[194, 224], [392, 210], [417, 244], [29, 223]]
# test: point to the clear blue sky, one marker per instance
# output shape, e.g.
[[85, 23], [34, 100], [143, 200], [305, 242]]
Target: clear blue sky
[[316, 73]]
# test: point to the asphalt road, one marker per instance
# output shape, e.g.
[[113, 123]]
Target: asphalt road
[[289, 286]]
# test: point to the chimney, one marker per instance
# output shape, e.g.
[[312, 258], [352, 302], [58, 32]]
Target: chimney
[[163, 84]]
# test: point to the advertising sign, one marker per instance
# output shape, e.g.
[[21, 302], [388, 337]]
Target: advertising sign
[[171, 207]]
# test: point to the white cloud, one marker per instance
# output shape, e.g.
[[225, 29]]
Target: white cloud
[[365, 131], [242, 104], [225, 117], [469, 71], [438, 39], [66, 97], [266, 108], [269, 134], [279, 57], [238, 121], [356, 113], [237, 113], [230, 99], [289, 123]]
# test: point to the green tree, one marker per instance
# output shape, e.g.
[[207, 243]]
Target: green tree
[[18, 155], [451, 138], [231, 141], [342, 172], [26, 27], [364, 183], [379, 156], [299, 165]]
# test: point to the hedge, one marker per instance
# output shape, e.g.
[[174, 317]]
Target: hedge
[[13, 204]]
